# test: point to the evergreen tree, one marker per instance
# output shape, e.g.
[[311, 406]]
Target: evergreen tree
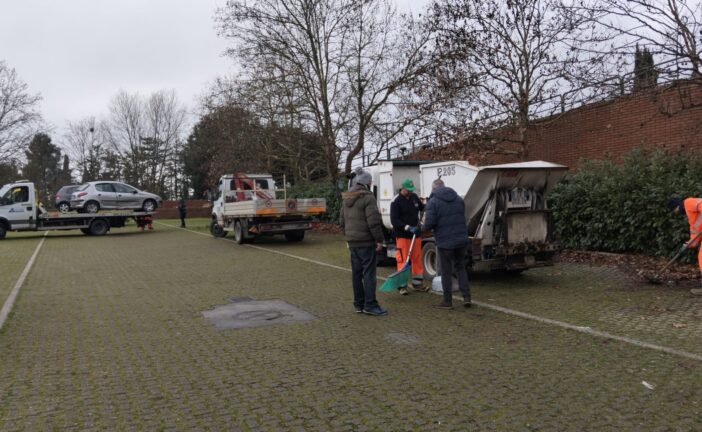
[[43, 166], [645, 73], [8, 172], [65, 177]]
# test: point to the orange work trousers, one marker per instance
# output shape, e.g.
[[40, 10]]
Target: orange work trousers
[[403, 247]]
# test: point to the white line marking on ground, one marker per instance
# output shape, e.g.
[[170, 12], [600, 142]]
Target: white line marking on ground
[[512, 312], [10, 301]]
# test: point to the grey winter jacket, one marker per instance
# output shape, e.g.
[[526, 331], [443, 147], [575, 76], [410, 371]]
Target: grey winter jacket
[[360, 218], [444, 214]]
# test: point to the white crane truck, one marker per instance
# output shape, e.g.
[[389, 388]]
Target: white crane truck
[[20, 211], [509, 224], [247, 205]]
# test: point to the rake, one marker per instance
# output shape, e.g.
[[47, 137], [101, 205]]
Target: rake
[[400, 277], [656, 280]]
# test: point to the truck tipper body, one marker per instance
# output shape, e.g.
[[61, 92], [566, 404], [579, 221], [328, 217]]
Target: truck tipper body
[[19, 211], [508, 221], [247, 204]]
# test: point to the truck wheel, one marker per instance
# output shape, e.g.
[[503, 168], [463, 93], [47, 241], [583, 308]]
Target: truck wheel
[[430, 260], [91, 207], [99, 227], [216, 229], [238, 233], [295, 236], [3, 231], [149, 205]]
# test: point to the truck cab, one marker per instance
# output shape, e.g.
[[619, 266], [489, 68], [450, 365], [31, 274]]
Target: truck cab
[[17, 206]]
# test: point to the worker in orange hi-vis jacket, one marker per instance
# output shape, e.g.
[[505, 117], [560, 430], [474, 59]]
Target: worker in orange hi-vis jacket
[[404, 216], [692, 207]]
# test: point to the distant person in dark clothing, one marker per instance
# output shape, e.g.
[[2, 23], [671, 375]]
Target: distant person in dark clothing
[[445, 215], [182, 211]]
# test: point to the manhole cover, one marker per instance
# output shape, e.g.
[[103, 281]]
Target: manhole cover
[[403, 338], [255, 313]]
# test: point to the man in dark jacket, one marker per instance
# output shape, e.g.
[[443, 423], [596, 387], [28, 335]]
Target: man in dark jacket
[[404, 216], [362, 225], [445, 215], [181, 211]]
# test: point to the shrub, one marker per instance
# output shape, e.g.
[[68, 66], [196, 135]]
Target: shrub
[[621, 208], [324, 190]]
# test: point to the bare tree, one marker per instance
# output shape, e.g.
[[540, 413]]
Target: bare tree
[[87, 146], [338, 66], [125, 127], [390, 53], [19, 115], [146, 134], [164, 126], [671, 29], [307, 40], [523, 59]]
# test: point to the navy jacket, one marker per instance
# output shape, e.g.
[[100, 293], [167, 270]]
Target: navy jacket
[[445, 215]]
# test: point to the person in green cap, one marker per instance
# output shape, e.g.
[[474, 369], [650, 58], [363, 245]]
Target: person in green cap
[[404, 216]]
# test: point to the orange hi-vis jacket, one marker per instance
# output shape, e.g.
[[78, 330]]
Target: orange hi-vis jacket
[[693, 210]]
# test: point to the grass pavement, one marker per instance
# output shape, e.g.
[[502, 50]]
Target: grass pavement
[[108, 334]]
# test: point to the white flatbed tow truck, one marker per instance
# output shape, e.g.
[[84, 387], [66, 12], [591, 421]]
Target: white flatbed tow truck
[[19, 211]]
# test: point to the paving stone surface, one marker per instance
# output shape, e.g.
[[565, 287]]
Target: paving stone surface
[[108, 334], [15, 251]]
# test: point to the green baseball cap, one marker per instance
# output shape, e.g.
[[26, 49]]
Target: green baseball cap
[[408, 184]]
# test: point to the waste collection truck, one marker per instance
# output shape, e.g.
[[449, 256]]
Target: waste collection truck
[[509, 224]]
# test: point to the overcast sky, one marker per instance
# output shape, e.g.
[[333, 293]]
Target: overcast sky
[[79, 53]]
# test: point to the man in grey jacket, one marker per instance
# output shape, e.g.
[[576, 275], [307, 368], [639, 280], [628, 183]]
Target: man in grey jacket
[[362, 225]]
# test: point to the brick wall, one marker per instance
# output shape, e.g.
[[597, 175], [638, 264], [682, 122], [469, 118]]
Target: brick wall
[[669, 118], [195, 208]]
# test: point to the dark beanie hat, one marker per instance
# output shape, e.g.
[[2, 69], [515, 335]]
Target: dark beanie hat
[[675, 202]]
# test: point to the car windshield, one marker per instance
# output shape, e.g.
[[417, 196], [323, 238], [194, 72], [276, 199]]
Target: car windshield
[[4, 189], [82, 187]]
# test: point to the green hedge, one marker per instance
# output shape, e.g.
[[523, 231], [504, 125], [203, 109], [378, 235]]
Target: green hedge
[[320, 190], [621, 208]]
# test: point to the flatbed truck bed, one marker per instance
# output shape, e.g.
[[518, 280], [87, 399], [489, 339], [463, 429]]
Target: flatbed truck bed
[[19, 212]]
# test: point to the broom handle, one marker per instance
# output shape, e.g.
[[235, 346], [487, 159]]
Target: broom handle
[[409, 254]]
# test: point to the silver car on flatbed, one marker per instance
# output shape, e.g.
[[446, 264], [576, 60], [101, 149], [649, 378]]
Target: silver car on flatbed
[[109, 195]]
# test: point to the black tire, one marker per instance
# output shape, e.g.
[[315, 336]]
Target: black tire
[[239, 233], [63, 207], [91, 207], [216, 229], [85, 231], [3, 231], [295, 236], [99, 227], [430, 261], [149, 205]]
